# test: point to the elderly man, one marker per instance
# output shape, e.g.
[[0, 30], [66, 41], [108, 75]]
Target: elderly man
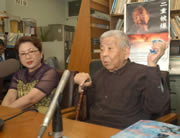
[[123, 92]]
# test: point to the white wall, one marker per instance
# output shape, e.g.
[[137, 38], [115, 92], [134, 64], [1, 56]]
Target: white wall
[[54, 47], [2, 5], [44, 11]]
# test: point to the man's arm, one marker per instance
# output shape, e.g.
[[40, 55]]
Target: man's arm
[[84, 80], [33, 97], [156, 93]]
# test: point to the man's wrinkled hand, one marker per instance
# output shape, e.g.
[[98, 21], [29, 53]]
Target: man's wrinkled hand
[[160, 48], [83, 80]]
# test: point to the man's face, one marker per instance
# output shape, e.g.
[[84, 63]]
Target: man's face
[[112, 56], [140, 16]]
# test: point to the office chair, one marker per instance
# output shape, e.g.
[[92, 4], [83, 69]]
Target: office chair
[[67, 102], [94, 65], [7, 69], [68, 93], [79, 112], [167, 118]]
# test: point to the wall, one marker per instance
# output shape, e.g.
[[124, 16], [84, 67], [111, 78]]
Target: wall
[[44, 11], [2, 5], [54, 47]]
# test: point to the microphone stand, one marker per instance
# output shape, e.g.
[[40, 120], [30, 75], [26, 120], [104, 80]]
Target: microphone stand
[[53, 104], [57, 123]]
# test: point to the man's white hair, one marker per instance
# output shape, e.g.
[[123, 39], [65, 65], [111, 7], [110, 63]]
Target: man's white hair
[[121, 37]]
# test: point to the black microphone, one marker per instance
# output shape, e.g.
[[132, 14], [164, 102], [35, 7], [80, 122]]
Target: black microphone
[[52, 106], [8, 67], [57, 123], [1, 123]]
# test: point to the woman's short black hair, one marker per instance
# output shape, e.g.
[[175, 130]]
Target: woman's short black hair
[[34, 40]]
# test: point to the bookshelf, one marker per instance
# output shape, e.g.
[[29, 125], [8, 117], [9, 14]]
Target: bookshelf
[[85, 44], [12, 27]]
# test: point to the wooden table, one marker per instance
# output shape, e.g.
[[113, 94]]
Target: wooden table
[[28, 124]]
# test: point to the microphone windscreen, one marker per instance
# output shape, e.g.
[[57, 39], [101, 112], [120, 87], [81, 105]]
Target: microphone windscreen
[[8, 67], [1, 123]]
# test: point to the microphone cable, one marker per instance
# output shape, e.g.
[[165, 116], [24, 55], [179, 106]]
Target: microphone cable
[[18, 114]]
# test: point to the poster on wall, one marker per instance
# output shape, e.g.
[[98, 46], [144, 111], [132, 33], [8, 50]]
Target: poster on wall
[[147, 23]]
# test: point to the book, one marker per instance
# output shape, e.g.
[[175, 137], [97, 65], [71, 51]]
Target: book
[[172, 32], [119, 7], [174, 64], [175, 26], [113, 6], [149, 129], [119, 24], [13, 26]]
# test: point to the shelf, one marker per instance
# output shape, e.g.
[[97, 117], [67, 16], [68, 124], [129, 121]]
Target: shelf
[[115, 17], [175, 43], [118, 15], [90, 29], [175, 12], [175, 39]]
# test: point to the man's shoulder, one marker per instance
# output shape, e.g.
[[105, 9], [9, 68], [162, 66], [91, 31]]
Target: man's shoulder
[[140, 68], [99, 72], [137, 66]]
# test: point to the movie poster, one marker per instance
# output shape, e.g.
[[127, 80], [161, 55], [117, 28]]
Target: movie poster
[[145, 24]]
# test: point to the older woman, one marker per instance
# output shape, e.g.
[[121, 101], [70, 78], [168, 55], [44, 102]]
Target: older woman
[[33, 85]]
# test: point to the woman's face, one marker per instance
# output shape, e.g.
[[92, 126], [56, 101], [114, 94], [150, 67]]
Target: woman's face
[[30, 56]]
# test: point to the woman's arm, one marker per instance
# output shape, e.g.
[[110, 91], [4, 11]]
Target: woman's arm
[[33, 97], [44, 87], [10, 97]]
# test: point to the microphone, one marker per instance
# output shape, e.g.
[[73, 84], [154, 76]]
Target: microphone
[[52, 106], [1, 123], [8, 67]]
